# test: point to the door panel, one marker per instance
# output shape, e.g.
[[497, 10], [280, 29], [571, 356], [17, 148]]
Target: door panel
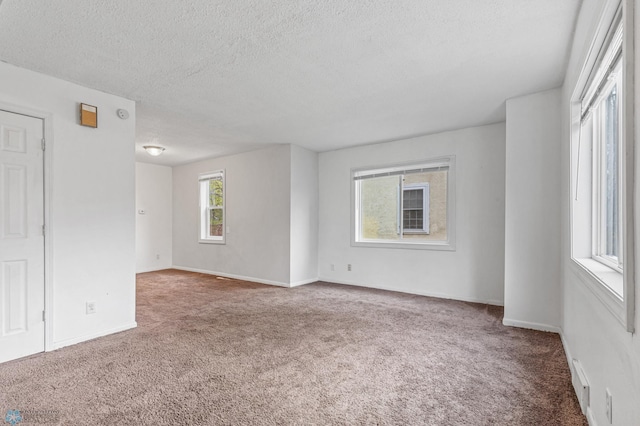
[[15, 194], [14, 279], [21, 236]]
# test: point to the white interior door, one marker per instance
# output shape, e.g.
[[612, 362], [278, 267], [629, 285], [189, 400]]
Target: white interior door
[[21, 236]]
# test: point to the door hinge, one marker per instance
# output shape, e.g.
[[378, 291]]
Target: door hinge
[[43, 318], [43, 229], [44, 144]]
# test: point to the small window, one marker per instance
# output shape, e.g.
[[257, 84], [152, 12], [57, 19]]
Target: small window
[[415, 208], [406, 206], [212, 213]]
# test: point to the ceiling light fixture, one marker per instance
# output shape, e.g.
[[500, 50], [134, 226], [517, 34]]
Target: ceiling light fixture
[[153, 150]]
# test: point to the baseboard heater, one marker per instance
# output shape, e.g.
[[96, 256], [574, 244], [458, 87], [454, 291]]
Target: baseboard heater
[[580, 385]]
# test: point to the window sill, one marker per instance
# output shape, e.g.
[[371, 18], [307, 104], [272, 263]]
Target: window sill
[[606, 276], [605, 283], [431, 245], [201, 241]]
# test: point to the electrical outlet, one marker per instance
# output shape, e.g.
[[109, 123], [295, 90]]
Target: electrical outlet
[[609, 406], [157, 257], [349, 267], [91, 308], [333, 267]]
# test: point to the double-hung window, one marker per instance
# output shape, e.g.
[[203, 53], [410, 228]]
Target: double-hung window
[[602, 170], [415, 208], [212, 213], [407, 206]]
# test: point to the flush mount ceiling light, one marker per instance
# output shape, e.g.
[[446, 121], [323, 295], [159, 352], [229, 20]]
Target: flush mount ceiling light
[[153, 150]]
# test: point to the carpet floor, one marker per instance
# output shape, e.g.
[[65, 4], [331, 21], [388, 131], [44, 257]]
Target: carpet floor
[[209, 350]]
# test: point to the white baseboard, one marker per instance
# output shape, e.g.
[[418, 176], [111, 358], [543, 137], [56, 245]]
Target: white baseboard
[[567, 352], [303, 282], [142, 271], [234, 276], [75, 340], [530, 325], [418, 293]]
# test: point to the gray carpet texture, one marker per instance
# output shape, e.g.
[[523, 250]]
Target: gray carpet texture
[[215, 351]]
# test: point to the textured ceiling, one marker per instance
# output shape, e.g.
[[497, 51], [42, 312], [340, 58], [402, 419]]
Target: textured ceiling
[[218, 77]]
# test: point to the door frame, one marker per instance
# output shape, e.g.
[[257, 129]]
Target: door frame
[[47, 127]]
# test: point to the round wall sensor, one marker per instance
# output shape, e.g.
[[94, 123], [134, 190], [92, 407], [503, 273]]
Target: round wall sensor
[[123, 113]]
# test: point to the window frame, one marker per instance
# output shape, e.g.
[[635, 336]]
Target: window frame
[[445, 245], [615, 289], [205, 208]]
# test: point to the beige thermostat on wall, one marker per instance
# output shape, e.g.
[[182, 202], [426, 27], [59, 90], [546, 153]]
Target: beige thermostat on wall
[[88, 115]]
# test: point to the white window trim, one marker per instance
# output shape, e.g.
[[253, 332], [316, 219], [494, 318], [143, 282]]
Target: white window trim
[[202, 209], [597, 277], [447, 245]]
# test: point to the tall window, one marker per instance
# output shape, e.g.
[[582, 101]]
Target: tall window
[[602, 169], [404, 206], [607, 183], [212, 214], [600, 126]]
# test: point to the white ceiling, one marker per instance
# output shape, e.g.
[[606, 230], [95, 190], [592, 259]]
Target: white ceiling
[[218, 77]]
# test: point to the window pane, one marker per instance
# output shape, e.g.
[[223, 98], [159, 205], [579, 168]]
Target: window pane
[[413, 219], [413, 198], [611, 173], [215, 222], [403, 204], [379, 207], [215, 192]]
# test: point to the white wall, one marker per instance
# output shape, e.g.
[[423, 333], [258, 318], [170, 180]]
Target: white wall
[[304, 216], [154, 190], [258, 186], [90, 186], [609, 355], [474, 271], [532, 216]]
